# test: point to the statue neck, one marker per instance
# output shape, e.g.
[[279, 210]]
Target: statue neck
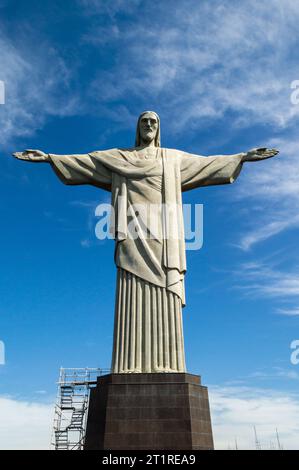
[[147, 144]]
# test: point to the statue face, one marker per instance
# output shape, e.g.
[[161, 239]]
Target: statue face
[[148, 127]]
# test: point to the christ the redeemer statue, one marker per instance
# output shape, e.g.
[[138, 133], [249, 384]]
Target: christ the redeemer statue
[[148, 332]]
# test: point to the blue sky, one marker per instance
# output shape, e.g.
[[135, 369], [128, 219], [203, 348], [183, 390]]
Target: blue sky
[[77, 74]]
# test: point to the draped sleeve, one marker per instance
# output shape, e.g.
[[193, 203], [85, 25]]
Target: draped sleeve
[[199, 171], [81, 169]]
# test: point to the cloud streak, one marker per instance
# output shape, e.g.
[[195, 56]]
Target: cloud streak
[[235, 410], [290, 312], [205, 61], [37, 86], [275, 198], [102, 7], [24, 425], [263, 279]]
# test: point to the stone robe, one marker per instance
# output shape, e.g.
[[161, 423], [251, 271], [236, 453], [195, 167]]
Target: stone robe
[[148, 333]]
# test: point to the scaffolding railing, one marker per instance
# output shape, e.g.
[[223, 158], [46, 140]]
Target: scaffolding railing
[[71, 408]]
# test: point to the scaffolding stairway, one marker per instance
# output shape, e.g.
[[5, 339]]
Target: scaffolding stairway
[[71, 407]]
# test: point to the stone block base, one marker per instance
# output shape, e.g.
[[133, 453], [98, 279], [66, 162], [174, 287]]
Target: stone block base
[[149, 411]]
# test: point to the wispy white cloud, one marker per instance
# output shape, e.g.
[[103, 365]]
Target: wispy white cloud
[[200, 60], [264, 279], [290, 312], [235, 410], [272, 188], [85, 243], [104, 7], [36, 87], [289, 374], [273, 278], [273, 191], [206, 59], [25, 425], [273, 227], [91, 205]]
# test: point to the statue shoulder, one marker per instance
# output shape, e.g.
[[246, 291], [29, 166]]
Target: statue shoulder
[[184, 154], [106, 152], [174, 152]]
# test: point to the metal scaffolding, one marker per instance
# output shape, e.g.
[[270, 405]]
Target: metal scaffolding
[[71, 407]]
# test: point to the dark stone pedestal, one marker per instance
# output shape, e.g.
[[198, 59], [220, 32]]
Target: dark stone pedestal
[[149, 411]]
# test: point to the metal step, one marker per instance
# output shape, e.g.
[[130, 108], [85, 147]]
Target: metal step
[[71, 407]]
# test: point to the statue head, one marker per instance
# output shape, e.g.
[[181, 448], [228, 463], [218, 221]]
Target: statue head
[[148, 129]]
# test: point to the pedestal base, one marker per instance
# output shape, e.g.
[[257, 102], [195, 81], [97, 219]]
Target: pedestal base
[[167, 411]]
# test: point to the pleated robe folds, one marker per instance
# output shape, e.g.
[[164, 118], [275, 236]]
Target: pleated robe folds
[[148, 331]]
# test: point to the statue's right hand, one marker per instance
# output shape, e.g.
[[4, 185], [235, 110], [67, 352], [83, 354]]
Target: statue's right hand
[[32, 156]]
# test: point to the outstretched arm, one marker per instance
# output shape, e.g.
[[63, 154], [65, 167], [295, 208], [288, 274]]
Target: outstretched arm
[[72, 169], [199, 171]]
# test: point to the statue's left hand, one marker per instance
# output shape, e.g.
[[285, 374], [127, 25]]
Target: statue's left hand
[[31, 156], [257, 154]]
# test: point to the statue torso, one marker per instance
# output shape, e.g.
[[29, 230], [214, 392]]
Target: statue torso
[[148, 153]]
